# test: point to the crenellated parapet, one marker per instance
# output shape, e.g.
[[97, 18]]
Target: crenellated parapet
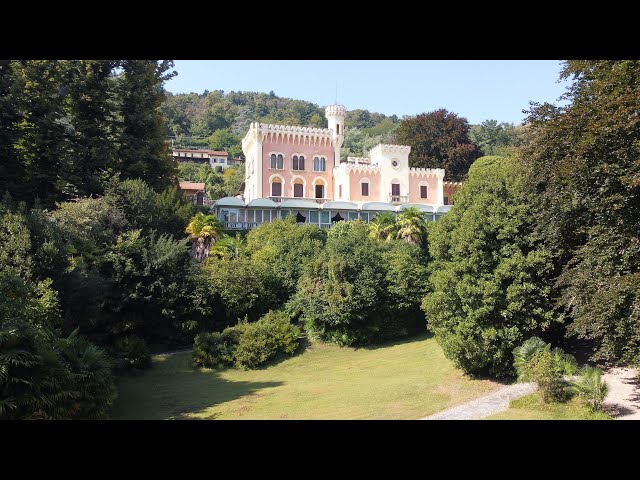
[[268, 132], [358, 160], [387, 148], [426, 172]]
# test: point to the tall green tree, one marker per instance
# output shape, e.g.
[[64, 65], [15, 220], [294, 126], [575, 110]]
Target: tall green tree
[[11, 166], [143, 148], [491, 274], [91, 107], [584, 169], [439, 139]]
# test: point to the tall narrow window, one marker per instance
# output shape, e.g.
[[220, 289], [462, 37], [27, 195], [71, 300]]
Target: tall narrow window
[[338, 128], [319, 164], [301, 163], [319, 191], [423, 191], [365, 189], [297, 190], [280, 162], [446, 200], [322, 164], [273, 160], [395, 189], [276, 189], [294, 162]]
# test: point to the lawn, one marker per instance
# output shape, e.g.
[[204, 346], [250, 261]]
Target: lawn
[[531, 407], [403, 380]]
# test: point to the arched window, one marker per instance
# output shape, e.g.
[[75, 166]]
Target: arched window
[[298, 162], [276, 188], [298, 188], [273, 160], [319, 164], [280, 162], [319, 188]]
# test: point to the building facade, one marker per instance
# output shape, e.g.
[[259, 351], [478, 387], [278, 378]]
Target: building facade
[[292, 170], [195, 192], [215, 158]]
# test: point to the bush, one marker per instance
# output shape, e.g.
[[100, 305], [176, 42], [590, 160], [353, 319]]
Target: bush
[[133, 352], [265, 339], [216, 349], [591, 387], [540, 369], [247, 345]]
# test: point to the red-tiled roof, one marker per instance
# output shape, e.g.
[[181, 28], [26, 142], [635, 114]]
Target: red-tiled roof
[[191, 186], [218, 153]]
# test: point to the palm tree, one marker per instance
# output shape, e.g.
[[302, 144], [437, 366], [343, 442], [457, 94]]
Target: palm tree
[[525, 352], [412, 227], [383, 226], [591, 387], [205, 231], [227, 247]]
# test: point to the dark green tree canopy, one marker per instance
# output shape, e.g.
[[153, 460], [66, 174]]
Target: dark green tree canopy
[[439, 139]]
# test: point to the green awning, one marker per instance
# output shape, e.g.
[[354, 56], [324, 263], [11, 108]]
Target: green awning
[[261, 203], [419, 206], [338, 205], [230, 202], [378, 207], [300, 203]]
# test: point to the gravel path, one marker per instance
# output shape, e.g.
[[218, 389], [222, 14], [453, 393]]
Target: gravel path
[[484, 406], [623, 399]]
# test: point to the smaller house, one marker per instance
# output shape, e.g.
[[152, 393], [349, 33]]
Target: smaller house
[[235, 162], [215, 158], [195, 192]]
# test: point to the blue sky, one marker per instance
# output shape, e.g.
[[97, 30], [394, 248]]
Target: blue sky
[[476, 89]]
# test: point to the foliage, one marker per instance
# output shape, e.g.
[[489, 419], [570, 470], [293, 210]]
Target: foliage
[[218, 183], [217, 349], [412, 226], [225, 140], [439, 139], [540, 369], [205, 231], [495, 138], [265, 339], [490, 272], [525, 352], [247, 345], [591, 387], [532, 407], [133, 352], [383, 226], [343, 296], [584, 169]]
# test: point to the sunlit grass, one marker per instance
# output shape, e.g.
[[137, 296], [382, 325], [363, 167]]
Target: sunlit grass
[[404, 380]]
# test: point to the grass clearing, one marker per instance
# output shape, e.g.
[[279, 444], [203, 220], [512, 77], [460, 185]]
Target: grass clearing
[[531, 407], [403, 380]]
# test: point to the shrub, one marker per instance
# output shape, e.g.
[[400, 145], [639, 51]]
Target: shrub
[[133, 352], [216, 349], [540, 369], [591, 387], [523, 354], [247, 345], [265, 339]]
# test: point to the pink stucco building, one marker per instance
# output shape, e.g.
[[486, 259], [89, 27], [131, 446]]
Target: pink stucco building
[[293, 170]]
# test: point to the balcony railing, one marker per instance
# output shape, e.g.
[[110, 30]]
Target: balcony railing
[[239, 225], [282, 199], [398, 198]]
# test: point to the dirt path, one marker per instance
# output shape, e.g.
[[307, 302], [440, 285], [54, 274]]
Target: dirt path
[[623, 399], [484, 406]]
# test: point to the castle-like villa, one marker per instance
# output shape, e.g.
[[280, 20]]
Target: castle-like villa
[[297, 171]]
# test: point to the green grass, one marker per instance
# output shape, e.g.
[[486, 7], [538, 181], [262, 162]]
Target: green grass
[[403, 380], [531, 407]]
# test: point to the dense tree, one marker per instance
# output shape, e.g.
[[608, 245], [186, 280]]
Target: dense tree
[[11, 166], [495, 138], [584, 170], [91, 111], [490, 272], [143, 149], [439, 139], [383, 226], [225, 140]]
